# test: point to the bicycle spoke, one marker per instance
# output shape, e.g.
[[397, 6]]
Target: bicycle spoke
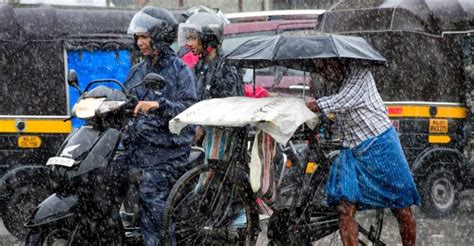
[[185, 234], [188, 221], [181, 202], [204, 216], [188, 239]]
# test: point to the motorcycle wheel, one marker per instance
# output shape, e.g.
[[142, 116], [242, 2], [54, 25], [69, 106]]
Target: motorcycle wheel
[[20, 206], [48, 236]]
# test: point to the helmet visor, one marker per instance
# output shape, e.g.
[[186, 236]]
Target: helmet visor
[[187, 31], [142, 23]]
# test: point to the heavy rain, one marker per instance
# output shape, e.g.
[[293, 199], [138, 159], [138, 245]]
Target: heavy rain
[[239, 122]]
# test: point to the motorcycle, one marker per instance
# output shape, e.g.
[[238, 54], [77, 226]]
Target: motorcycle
[[84, 210]]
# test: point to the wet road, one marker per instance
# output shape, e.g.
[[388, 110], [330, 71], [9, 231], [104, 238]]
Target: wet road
[[457, 230]]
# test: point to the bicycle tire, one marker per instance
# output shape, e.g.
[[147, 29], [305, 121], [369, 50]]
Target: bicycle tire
[[211, 221], [316, 223], [370, 222], [324, 223], [370, 230]]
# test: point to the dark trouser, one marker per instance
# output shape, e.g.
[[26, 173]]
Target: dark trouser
[[155, 183], [153, 190]]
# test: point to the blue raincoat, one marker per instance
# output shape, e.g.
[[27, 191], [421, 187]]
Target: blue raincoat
[[160, 154], [150, 132]]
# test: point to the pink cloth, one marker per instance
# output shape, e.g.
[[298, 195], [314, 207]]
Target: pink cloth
[[259, 91], [190, 59]]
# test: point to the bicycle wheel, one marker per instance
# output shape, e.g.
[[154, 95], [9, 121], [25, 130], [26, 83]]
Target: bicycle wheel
[[204, 212], [370, 229], [317, 224]]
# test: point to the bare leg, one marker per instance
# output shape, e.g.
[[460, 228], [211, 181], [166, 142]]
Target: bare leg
[[407, 225], [347, 223]]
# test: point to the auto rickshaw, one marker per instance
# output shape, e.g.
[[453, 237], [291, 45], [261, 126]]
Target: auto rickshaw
[[38, 45], [426, 85]]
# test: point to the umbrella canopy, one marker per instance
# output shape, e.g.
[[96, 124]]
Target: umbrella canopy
[[302, 52], [428, 16]]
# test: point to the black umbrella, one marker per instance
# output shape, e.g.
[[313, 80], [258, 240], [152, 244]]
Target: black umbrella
[[302, 52]]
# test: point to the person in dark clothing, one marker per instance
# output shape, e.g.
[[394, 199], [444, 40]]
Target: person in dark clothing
[[184, 51], [215, 78], [150, 147]]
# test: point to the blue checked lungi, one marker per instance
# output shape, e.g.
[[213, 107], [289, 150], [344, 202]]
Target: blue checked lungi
[[375, 174]]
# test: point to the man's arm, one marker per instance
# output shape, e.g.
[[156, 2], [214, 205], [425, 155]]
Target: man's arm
[[349, 97]]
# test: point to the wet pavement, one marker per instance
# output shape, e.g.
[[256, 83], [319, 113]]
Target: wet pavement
[[456, 230]]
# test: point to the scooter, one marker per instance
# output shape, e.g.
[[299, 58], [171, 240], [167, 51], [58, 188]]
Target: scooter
[[84, 210]]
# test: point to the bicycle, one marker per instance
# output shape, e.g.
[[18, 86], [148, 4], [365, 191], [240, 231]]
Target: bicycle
[[205, 212]]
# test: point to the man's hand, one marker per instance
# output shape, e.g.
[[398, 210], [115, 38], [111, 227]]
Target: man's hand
[[312, 104], [145, 106]]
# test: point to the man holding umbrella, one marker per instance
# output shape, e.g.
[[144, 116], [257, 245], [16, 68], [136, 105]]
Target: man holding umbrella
[[371, 170]]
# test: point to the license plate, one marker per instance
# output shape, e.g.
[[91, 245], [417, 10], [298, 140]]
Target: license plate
[[438, 126], [29, 141], [62, 161]]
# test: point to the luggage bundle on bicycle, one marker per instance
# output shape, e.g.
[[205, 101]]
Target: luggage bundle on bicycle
[[218, 203]]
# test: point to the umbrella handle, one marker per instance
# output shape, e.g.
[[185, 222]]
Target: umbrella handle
[[254, 81]]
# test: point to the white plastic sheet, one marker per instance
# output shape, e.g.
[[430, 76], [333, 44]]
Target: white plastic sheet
[[278, 116]]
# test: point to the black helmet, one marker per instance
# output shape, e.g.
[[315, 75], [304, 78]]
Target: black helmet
[[159, 23], [208, 26]]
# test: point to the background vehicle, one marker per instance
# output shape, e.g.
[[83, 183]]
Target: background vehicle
[[38, 44], [426, 86], [274, 15]]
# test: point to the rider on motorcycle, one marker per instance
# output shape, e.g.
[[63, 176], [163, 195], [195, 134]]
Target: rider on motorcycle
[[151, 148]]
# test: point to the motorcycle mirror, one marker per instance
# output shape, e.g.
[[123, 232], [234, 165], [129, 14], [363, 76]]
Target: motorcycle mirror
[[154, 81], [72, 77], [72, 80]]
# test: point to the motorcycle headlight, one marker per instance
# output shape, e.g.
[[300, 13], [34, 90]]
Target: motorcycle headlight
[[108, 106], [87, 107]]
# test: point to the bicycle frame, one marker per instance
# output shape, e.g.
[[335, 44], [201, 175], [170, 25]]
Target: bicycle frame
[[226, 192], [304, 208], [303, 198]]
